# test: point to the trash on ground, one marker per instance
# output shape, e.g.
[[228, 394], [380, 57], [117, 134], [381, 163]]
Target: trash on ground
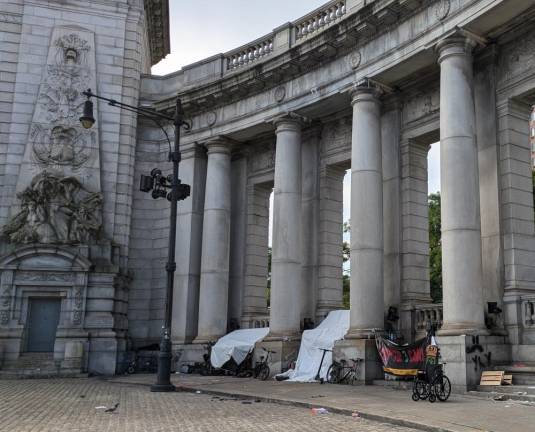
[[355, 414], [316, 411], [198, 392], [500, 398], [246, 402]]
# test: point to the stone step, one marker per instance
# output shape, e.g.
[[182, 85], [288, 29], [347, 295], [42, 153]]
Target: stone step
[[39, 373], [508, 389], [498, 395], [395, 384], [31, 361], [523, 373]]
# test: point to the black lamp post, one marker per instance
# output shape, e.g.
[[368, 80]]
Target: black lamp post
[[158, 184]]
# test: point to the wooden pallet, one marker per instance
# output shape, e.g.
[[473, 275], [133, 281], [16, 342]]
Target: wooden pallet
[[492, 378]]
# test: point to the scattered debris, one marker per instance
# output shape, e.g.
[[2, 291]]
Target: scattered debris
[[246, 402], [82, 396], [198, 392], [316, 396], [316, 411], [355, 415], [113, 408], [107, 409], [257, 400], [500, 398]]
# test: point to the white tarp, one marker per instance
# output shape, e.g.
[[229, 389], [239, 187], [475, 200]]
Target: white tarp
[[236, 345], [334, 327]]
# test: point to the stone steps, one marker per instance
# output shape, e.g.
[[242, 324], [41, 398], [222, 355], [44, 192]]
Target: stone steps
[[504, 393], [395, 384], [35, 365], [523, 373]]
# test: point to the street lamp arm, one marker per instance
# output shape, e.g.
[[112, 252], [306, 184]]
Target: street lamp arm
[[144, 111]]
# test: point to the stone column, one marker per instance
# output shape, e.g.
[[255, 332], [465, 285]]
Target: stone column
[[390, 135], [188, 250], [366, 296], [461, 232], [213, 301], [286, 253]]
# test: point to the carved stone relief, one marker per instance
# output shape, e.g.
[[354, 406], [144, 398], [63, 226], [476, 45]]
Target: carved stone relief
[[56, 140], [55, 209], [517, 57], [263, 157], [336, 134], [421, 105], [442, 9]]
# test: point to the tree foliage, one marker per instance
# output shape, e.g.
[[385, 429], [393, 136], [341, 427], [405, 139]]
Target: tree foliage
[[435, 247]]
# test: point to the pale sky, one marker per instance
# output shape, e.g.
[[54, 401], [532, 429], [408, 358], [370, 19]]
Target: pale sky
[[202, 28]]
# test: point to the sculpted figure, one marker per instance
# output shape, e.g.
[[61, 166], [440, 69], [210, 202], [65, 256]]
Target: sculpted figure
[[56, 209]]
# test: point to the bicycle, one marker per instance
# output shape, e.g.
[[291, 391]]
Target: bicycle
[[261, 369], [339, 373]]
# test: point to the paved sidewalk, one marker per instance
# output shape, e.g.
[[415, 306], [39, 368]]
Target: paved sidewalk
[[459, 414]]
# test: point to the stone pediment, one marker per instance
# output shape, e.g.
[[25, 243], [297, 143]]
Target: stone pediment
[[46, 258]]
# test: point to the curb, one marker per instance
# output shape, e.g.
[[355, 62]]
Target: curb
[[362, 414]]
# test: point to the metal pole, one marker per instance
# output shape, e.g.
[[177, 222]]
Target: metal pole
[[163, 379]]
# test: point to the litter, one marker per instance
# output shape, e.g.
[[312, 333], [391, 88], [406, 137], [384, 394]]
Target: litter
[[500, 398], [198, 392], [246, 402], [316, 411], [355, 415]]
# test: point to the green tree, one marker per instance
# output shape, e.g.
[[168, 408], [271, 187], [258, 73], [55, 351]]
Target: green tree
[[435, 247]]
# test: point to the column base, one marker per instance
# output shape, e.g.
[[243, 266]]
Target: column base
[[362, 333], [466, 357], [462, 329], [200, 340], [286, 351], [162, 388], [371, 368]]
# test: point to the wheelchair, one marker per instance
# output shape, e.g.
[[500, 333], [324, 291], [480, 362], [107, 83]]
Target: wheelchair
[[431, 384]]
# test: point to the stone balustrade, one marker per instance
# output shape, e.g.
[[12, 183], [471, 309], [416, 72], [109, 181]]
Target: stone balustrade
[[429, 312], [320, 18], [260, 321], [247, 54]]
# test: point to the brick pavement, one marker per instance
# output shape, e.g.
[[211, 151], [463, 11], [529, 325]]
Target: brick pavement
[[69, 405]]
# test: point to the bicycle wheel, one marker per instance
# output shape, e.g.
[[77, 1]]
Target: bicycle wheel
[[351, 378], [264, 372], [442, 387], [333, 374], [420, 388]]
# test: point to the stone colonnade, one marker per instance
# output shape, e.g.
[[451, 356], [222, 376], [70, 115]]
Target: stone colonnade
[[462, 269]]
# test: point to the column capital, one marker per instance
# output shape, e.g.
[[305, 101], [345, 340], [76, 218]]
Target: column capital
[[365, 91], [219, 144], [193, 151], [290, 121], [457, 45]]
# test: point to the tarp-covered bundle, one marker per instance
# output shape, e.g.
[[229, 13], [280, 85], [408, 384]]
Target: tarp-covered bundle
[[236, 345], [334, 327], [402, 360]]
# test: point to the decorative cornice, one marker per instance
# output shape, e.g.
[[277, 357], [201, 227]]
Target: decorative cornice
[[157, 15]]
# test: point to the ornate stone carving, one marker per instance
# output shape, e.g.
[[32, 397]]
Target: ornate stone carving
[[61, 146], [442, 9], [78, 302], [55, 209], [517, 57], [355, 59], [4, 317], [211, 118], [44, 276], [263, 158], [157, 16], [56, 140], [336, 134], [280, 93]]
